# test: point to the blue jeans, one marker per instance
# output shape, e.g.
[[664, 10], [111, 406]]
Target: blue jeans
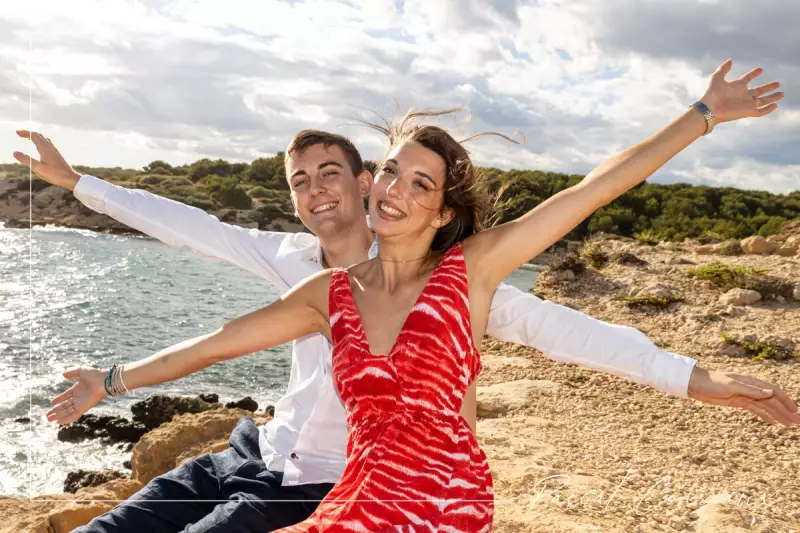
[[226, 491]]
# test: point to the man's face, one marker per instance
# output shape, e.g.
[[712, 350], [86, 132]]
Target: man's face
[[327, 197]]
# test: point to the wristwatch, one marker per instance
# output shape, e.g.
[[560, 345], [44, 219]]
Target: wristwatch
[[711, 120]]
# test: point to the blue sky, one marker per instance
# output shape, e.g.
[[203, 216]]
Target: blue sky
[[122, 83]]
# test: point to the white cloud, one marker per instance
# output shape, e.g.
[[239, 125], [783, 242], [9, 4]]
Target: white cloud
[[127, 82]]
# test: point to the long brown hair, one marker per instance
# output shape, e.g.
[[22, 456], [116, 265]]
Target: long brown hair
[[466, 190]]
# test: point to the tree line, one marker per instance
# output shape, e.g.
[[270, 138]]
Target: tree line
[[650, 211]]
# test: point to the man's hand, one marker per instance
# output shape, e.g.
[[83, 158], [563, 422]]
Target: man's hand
[[51, 167], [761, 398]]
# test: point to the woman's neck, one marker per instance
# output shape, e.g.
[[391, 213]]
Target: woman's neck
[[402, 262]]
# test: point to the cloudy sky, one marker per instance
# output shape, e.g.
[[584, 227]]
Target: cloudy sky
[[122, 83]]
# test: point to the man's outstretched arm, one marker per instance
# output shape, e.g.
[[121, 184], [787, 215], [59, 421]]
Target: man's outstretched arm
[[568, 336], [171, 222]]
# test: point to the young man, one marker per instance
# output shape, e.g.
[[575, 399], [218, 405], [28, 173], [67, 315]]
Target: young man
[[274, 476]]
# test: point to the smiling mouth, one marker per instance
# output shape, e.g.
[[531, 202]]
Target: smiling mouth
[[324, 207], [389, 210]]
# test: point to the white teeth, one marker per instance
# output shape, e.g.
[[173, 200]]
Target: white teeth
[[391, 211], [324, 207]]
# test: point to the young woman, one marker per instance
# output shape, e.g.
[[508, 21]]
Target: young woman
[[405, 325]]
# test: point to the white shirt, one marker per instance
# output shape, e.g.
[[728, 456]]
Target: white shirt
[[307, 437]]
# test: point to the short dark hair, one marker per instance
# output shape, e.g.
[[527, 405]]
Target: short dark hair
[[308, 138]]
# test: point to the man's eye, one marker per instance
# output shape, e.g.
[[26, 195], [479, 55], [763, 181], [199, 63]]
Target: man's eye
[[299, 183], [387, 169], [329, 174]]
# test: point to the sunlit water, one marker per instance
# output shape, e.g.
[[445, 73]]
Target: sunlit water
[[77, 298]]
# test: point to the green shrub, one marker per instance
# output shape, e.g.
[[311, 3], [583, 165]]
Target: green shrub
[[649, 300], [271, 212], [728, 277], [594, 255], [151, 180], [647, 237], [231, 194], [259, 192], [759, 350]]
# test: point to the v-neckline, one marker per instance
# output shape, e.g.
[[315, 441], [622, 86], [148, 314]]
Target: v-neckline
[[363, 332]]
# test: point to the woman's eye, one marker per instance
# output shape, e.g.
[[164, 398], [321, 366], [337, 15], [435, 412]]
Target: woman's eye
[[420, 185], [387, 169]]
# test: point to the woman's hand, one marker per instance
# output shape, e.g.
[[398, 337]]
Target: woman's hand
[[732, 100], [79, 398], [763, 399]]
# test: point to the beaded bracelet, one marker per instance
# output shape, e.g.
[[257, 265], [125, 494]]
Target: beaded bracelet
[[113, 382]]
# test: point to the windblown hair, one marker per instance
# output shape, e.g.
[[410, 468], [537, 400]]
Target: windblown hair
[[466, 190], [308, 138]]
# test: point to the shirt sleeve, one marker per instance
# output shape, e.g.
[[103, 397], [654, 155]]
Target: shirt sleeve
[[178, 224], [568, 336]]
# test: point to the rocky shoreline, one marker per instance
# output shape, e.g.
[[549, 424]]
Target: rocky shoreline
[[55, 206], [571, 449]]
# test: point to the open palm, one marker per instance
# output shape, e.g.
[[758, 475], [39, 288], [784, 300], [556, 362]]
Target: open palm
[[79, 398], [764, 399], [732, 100]]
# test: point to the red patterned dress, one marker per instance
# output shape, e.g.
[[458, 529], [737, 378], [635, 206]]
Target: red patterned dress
[[413, 464]]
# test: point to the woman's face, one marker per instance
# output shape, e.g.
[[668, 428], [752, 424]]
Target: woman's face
[[408, 192]]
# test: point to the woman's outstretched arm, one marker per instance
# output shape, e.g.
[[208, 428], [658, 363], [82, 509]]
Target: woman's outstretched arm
[[497, 252], [301, 311]]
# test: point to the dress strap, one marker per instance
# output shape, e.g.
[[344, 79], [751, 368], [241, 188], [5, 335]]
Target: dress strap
[[337, 295]]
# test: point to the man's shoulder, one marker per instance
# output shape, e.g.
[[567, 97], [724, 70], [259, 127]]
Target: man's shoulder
[[299, 240], [299, 245]]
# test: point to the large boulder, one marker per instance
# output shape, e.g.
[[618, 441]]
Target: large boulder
[[758, 245], [158, 409], [111, 429], [788, 250], [62, 513], [184, 437]]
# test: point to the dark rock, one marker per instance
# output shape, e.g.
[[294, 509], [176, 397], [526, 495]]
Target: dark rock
[[246, 403], [76, 432], [111, 429], [127, 464], [209, 397], [627, 258], [22, 420], [89, 478], [159, 409], [122, 430]]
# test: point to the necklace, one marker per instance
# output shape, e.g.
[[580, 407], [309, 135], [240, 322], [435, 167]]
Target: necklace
[[403, 261]]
